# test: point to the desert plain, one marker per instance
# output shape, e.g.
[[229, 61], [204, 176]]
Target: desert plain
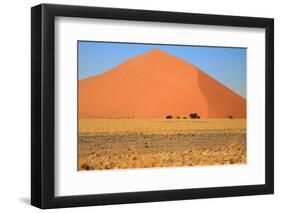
[[145, 143]]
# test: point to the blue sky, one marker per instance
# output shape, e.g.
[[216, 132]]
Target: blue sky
[[227, 65]]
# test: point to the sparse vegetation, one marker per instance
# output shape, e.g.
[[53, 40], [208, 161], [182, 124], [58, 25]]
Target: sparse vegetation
[[230, 116], [178, 117], [184, 117], [194, 116]]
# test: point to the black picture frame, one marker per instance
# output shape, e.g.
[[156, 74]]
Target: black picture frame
[[43, 110]]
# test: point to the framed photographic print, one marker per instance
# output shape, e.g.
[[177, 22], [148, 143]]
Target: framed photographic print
[[139, 106]]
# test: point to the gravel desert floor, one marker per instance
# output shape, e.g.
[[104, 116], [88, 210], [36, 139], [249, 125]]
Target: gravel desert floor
[[143, 143]]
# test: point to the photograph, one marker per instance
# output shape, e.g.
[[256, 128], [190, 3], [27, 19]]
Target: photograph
[[160, 105], [136, 105]]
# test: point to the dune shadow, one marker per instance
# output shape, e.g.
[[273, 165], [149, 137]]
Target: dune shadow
[[220, 100]]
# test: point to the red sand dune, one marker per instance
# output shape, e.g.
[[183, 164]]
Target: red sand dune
[[154, 85]]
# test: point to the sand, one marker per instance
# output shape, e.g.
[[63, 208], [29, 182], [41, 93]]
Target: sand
[[141, 143]]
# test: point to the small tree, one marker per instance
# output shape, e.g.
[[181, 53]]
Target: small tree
[[178, 117], [230, 116], [169, 117], [194, 116]]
